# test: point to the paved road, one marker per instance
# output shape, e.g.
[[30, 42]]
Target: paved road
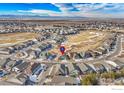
[[104, 57], [54, 68]]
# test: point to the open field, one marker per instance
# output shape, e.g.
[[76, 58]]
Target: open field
[[15, 38], [86, 40]]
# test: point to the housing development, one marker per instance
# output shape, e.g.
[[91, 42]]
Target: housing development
[[30, 52]]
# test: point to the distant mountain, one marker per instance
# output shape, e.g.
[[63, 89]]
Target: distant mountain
[[37, 17]]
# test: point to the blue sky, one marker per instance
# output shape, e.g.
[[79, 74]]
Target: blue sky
[[112, 10]]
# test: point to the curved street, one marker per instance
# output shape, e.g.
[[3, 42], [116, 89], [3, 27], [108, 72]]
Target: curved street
[[104, 57]]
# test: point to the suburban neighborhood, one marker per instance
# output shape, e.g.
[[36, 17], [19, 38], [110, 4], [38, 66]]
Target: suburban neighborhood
[[30, 52]]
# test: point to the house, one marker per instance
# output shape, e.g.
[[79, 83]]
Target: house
[[112, 63], [37, 53], [119, 63], [82, 68], [64, 70], [51, 57], [78, 56], [2, 62], [5, 51], [31, 80], [37, 68], [107, 66], [90, 68], [10, 64], [18, 62], [21, 67], [71, 68], [99, 67], [3, 65], [11, 50], [88, 54], [3, 73]]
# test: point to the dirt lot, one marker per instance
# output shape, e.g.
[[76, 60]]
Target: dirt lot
[[84, 41], [15, 38]]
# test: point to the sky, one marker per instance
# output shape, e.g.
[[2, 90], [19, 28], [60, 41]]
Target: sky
[[96, 10]]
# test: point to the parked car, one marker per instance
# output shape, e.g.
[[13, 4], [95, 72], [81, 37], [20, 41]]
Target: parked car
[[2, 73]]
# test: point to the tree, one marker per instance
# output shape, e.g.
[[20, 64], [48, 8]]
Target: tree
[[108, 75], [90, 79]]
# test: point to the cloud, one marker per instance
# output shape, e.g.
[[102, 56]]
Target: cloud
[[47, 12], [40, 12], [64, 7], [88, 7], [82, 10]]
